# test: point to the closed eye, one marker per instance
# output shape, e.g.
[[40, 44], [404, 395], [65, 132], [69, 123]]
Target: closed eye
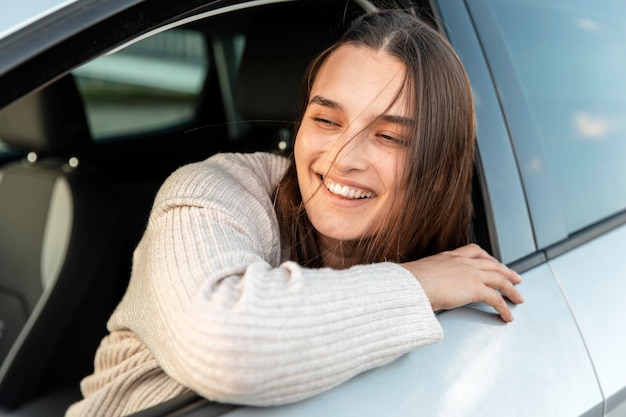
[[393, 139], [324, 121]]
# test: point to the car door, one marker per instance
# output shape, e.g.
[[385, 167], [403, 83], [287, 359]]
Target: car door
[[559, 70]]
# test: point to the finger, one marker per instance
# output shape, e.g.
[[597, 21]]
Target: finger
[[496, 281], [512, 293], [495, 300], [497, 267], [475, 252], [471, 250]]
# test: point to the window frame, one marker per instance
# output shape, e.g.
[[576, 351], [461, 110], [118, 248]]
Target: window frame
[[507, 216], [108, 29]]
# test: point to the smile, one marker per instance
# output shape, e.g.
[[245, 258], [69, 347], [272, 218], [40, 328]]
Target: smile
[[347, 191]]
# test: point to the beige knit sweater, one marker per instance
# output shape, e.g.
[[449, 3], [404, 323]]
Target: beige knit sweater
[[214, 306]]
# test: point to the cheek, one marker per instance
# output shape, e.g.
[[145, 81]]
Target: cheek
[[307, 147], [392, 171], [300, 146], [297, 152], [301, 149], [303, 159]]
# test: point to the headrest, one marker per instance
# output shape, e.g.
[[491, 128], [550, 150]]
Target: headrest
[[280, 43], [51, 120]]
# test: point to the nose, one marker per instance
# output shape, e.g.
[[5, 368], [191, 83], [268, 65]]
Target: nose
[[349, 152]]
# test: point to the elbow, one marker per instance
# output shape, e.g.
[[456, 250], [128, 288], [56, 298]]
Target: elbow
[[234, 376], [243, 387]]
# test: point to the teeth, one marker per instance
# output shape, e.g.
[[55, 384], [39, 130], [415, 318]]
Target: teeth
[[345, 191]]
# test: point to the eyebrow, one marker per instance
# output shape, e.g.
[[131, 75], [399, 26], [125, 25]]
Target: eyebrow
[[326, 102], [323, 101], [400, 120]]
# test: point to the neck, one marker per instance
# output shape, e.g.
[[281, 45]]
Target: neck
[[338, 254]]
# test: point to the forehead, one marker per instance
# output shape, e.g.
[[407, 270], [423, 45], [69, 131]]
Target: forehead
[[362, 79]]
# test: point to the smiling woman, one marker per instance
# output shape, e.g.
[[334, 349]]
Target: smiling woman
[[389, 115], [264, 280], [348, 143]]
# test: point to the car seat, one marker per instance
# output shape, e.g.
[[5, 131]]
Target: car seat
[[57, 233], [281, 40]]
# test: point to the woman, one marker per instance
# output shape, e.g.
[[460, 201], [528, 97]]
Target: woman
[[261, 280]]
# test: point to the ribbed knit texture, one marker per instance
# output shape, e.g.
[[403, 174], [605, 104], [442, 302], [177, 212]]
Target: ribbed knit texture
[[214, 307]]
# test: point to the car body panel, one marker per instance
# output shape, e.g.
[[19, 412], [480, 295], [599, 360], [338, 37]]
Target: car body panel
[[482, 368], [55, 21], [14, 18], [592, 276]]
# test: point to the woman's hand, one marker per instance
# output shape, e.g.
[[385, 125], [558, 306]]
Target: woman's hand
[[467, 275]]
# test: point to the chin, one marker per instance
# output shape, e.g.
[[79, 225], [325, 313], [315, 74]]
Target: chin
[[348, 236]]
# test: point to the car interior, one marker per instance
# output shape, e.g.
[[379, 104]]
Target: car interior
[[73, 208]]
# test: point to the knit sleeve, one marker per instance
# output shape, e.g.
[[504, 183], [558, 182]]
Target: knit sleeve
[[221, 314]]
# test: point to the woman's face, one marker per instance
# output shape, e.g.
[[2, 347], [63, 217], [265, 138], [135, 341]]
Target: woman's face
[[351, 145]]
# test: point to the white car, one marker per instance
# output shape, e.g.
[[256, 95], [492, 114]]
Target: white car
[[101, 99]]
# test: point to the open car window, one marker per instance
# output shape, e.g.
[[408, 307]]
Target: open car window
[[151, 85]]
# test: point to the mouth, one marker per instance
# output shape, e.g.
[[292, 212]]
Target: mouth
[[347, 191]]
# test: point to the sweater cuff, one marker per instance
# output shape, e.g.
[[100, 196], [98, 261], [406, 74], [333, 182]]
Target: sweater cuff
[[419, 313]]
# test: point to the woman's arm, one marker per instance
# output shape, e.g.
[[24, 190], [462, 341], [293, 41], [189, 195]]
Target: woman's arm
[[222, 315], [467, 275]]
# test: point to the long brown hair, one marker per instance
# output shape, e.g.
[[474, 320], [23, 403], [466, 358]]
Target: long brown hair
[[434, 213]]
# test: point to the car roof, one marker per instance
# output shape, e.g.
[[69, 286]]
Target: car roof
[[35, 25], [22, 14]]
